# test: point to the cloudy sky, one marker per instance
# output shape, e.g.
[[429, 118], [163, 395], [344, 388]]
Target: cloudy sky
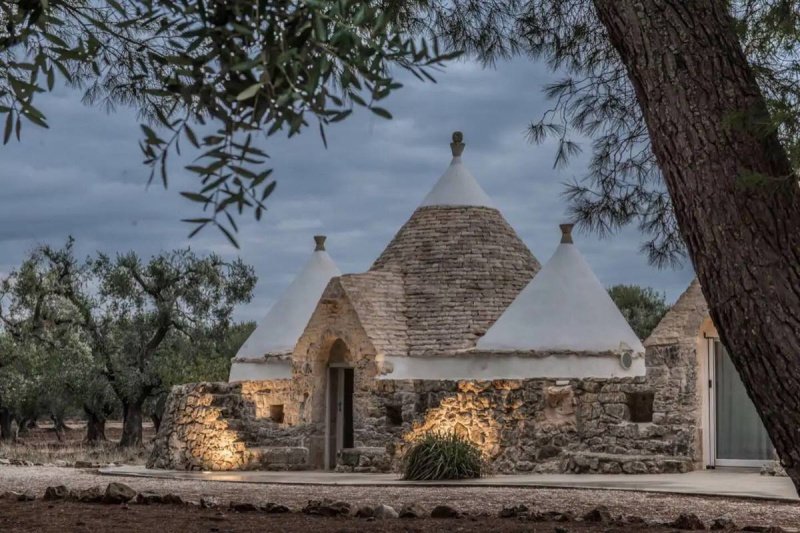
[[84, 177]]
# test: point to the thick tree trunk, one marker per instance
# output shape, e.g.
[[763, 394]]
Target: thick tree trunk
[[6, 420], [131, 424], [23, 425], [156, 419], [691, 78], [59, 427], [95, 427]]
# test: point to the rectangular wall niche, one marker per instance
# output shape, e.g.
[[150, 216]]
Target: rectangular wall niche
[[394, 415], [640, 405], [276, 413]]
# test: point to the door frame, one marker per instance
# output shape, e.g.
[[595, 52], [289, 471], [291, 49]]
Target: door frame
[[340, 367], [711, 422]]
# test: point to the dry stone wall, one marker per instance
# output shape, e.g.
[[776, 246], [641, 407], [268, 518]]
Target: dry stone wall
[[630, 425], [222, 426]]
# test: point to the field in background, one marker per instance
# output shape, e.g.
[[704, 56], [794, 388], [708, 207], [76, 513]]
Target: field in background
[[40, 445]]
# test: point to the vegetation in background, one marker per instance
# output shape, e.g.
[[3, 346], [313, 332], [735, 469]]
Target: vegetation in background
[[436, 456], [642, 307], [109, 336]]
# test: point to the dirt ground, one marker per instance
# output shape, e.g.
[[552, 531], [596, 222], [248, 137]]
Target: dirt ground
[[476, 501], [43, 434], [41, 445], [63, 516]]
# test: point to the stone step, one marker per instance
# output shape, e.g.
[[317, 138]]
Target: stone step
[[278, 458], [609, 463]]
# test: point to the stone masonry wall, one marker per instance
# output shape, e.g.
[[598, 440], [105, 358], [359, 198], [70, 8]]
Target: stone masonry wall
[[222, 426], [520, 425]]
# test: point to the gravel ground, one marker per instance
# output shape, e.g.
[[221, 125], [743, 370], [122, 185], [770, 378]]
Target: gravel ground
[[473, 500]]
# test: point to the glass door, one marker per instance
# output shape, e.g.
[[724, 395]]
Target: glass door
[[739, 437]]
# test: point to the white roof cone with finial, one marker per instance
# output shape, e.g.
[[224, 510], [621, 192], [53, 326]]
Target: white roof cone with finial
[[564, 308], [277, 333], [457, 186]]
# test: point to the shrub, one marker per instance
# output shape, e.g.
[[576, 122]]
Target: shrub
[[442, 456]]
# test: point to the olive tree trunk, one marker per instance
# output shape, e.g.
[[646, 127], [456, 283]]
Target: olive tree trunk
[[95, 427], [131, 424], [691, 79], [6, 423]]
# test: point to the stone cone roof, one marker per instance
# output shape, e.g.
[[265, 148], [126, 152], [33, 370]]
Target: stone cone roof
[[684, 319], [278, 331], [564, 308], [461, 263]]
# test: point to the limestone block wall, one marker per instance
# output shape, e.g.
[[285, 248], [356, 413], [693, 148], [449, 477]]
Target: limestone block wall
[[219, 426], [542, 426], [631, 425]]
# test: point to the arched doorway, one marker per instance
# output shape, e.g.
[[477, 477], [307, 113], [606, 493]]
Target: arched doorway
[[339, 404]]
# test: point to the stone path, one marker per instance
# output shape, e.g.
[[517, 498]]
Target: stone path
[[727, 482]]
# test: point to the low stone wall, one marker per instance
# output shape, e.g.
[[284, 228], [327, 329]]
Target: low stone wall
[[221, 426], [538, 426], [630, 425]]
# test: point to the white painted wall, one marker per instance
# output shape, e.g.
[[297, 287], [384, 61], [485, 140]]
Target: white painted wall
[[488, 367], [260, 370]]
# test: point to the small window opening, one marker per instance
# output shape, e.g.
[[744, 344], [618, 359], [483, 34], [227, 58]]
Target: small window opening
[[394, 415], [276, 413], [640, 405]]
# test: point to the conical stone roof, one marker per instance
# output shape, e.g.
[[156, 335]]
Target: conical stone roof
[[564, 308], [683, 320], [462, 263], [278, 331]]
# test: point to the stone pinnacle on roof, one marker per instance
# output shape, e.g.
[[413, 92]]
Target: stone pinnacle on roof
[[320, 243], [457, 146], [566, 233], [457, 186], [563, 308]]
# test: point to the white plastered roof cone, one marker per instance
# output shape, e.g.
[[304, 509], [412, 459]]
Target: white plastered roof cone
[[564, 308], [457, 186], [281, 327]]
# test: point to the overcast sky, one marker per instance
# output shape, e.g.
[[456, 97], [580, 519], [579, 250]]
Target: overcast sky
[[84, 177]]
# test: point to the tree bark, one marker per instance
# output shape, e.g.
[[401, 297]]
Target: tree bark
[[6, 421], [23, 425], [156, 419], [691, 78], [131, 424], [59, 427], [95, 427]]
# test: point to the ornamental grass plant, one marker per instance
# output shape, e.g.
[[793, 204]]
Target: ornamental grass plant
[[439, 455]]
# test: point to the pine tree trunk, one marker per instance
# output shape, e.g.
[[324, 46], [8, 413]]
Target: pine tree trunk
[[691, 78], [6, 420], [95, 427], [131, 425]]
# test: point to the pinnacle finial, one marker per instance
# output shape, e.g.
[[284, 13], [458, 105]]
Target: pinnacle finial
[[566, 233], [457, 146], [320, 240]]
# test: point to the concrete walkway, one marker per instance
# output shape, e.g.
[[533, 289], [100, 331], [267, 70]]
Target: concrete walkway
[[727, 482]]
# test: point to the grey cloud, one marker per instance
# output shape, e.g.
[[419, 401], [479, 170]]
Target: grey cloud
[[84, 177]]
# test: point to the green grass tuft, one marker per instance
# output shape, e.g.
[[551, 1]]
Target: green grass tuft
[[436, 456]]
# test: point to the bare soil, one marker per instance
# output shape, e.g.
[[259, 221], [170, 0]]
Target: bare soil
[[42, 445], [40, 516], [476, 501]]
